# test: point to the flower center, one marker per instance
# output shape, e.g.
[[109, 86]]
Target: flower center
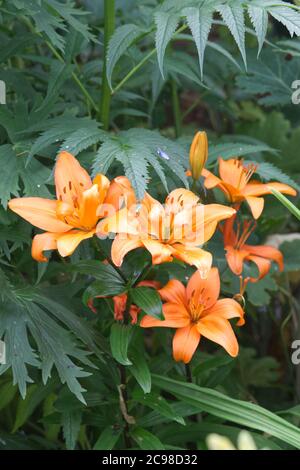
[[197, 306], [246, 173], [242, 237]]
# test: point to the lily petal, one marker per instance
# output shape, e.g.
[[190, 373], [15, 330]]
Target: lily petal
[[68, 242], [103, 184], [185, 343], [176, 316], [213, 214], [70, 178], [219, 330], [263, 265], [232, 172], [43, 242], [91, 199], [120, 192], [230, 237], [256, 205], [173, 291], [122, 221], [121, 245], [161, 252], [194, 256], [226, 308], [39, 212], [181, 198], [260, 189], [235, 259], [211, 180], [204, 291], [266, 251], [196, 225]]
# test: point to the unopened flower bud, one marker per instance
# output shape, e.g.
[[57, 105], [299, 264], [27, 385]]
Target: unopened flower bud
[[198, 154]]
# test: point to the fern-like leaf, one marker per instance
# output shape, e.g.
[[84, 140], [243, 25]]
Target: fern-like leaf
[[233, 16], [200, 22], [122, 38], [165, 27]]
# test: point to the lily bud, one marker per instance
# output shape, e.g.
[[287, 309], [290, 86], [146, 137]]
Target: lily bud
[[198, 154]]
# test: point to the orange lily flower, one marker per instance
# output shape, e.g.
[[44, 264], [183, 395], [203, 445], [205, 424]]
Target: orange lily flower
[[174, 230], [235, 182], [73, 216], [238, 252], [120, 302], [195, 310]]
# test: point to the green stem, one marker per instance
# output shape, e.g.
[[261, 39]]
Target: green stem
[[176, 108], [109, 27], [135, 69], [75, 77], [123, 380], [145, 59], [286, 202]]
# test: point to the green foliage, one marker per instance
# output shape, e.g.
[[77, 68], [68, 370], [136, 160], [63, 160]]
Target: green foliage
[[247, 414], [137, 150], [148, 300]]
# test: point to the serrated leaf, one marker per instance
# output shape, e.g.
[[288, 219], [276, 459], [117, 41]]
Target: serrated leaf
[[19, 353], [71, 422], [269, 172], [288, 17], [119, 42], [236, 149], [148, 300], [259, 19], [136, 169], [82, 139], [270, 78], [59, 73], [166, 25], [69, 13], [60, 128], [34, 176], [200, 22], [56, 347], [233, 16], [119, 341], [136, 150], [9, 183]]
